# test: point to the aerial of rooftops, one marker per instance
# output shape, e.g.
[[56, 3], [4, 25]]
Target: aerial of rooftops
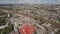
[[29, 16]]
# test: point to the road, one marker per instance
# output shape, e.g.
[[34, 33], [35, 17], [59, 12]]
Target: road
[[48, 21], [29, 19]]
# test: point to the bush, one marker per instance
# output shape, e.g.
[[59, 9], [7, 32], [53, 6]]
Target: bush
[[7, 29], [3, 22]]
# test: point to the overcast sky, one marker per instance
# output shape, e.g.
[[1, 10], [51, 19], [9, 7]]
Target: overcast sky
[[30, 1]]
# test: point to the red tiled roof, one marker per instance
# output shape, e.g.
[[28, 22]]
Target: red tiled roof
[[27, 29]]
